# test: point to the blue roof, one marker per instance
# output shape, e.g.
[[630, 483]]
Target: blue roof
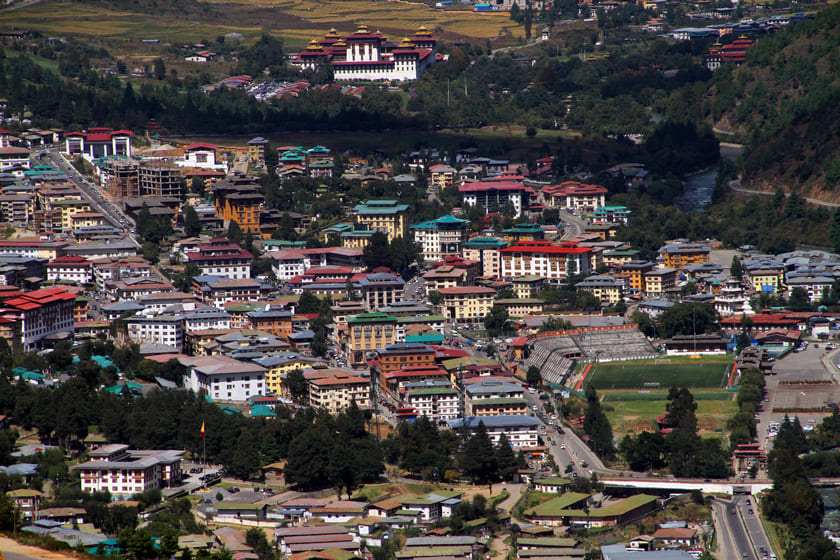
[[445, 220], [500, 421], [262, 411]]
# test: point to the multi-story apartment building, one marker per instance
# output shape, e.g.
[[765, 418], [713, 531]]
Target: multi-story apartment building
[[368, 333], [278, 366], [606, 289], [497, 195], [222, 258], [467, 304], [635, 272], [126, 472], [165, 329], [521, 307], [289, 263], [521, 430], [334, 393], [399, 356], [18, 209], [76, 270], [440, 237], [554, 262], [160, 180], [388, 216], [485, 250], [660, 280], [218, 291], [275, 321], [439, 403], [441, 176], [380, 289], [39, 314], [239, 200], [502, 406], [680, 255], [224, 378]]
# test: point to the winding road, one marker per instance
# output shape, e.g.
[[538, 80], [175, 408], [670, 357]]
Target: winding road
[[735, 185]]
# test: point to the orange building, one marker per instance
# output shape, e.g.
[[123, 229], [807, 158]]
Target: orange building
[[274, 321], [239, 201], [395, 357]]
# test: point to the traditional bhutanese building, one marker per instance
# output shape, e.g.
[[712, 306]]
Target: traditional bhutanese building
[[240, 203], [366, 55]]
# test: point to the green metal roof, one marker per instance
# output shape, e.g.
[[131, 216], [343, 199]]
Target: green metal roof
[[485, 243], [373, 317]]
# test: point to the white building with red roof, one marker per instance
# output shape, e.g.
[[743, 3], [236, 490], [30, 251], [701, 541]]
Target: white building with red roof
[[99, 143], [201, 156], [77, 270], [575, 196], [366, 55], [550, 261], [41, 313], [222, 258]]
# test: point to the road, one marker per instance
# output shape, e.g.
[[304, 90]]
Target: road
[[735, 185], [94, 196], [748, 514], [733, 541], [574, 225]]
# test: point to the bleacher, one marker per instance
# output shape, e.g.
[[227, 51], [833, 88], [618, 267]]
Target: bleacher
[[554, 356]]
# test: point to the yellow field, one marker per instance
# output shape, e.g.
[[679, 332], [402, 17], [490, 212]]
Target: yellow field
[[296, 21]]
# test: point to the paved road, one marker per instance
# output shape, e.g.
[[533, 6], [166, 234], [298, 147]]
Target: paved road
[[94, 196], [748, 513], [735, 185], [575, 225], [732, 536]]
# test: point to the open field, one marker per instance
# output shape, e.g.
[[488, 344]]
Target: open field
[[664, 372], [633, 412], [296, 21]]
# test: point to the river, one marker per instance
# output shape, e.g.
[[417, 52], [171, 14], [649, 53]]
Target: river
[[699, 187]]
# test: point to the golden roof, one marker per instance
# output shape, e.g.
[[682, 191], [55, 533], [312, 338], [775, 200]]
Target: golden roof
[[423, 30]]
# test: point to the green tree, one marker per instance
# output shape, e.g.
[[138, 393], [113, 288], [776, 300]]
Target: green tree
[[435, 297], [192, 225], [298, 386], [497, 322], [644, 452], [533, 377], [506, 460], [378, 251], [478, 457], [799, 300], [234, 233], [687, 319], [597, 426], [159, 69]]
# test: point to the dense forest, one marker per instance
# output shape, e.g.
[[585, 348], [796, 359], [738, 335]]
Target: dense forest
[[782, 101]]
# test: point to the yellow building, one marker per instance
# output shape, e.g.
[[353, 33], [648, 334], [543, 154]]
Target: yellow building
[[523, 307], [257, 148], [368, 332], [441, 176], [278, 367], [526, 286], [659, 280], [680, 255], [467, 304], [356, 239], [635, 272], [766, 279], [606, 289], [444, 277], [70, 207], [485, 250], [86, 219], [388, 216]]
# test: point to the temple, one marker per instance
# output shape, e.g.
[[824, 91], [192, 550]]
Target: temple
[[366, 55]]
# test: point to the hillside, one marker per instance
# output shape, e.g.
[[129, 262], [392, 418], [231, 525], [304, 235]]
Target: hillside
[[786, 102]]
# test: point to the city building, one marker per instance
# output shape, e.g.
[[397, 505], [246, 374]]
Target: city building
[[368, 333], [497, 195], [160, 180], [224, 378], [395, 357], [125, 472], [521, 307], [575, 197], [75, 270], [164, 329], [388, 216], [222, 258], [335, 392], [239, 200], [611, 215], [521, 431], [438, 403], [37, 315], [606, 289], [553, 262], [98, 143], [440, 237], [731, 299], [441, 176], [659, 280], [680, 255], [485, 250], [467, 304]]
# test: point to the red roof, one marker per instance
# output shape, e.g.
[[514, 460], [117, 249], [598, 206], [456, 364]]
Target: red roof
[[762, 319], [466, 290], [571, 188], [200, 146], [545, 247], [480, 186], [69, 259]]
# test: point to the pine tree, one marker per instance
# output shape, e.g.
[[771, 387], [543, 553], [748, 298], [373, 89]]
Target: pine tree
[[506, 460], [597, 426], [478, 458], [736, 270]]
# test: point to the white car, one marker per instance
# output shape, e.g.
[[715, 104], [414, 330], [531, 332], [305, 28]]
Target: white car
[[562, 446]]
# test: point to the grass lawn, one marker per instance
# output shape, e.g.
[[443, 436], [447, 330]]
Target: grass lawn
[[629, 414], [664, 372]]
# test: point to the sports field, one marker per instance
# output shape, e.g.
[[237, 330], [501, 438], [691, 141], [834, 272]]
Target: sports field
[[635, 411], [661, 373]]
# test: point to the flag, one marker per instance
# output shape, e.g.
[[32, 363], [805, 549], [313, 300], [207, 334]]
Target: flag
[[201, 431]]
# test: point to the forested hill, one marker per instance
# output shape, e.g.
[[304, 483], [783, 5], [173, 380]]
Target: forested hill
[[785, 100]]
